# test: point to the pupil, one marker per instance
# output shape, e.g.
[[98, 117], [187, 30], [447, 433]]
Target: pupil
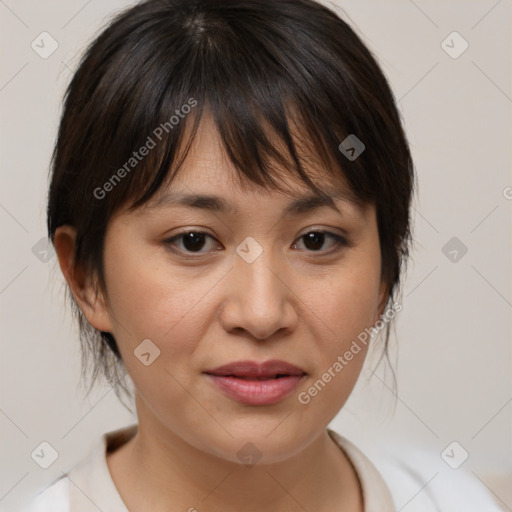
[[193, 241], [314, 240]]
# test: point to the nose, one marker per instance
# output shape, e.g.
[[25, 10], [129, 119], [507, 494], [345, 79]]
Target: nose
[[259, 300]]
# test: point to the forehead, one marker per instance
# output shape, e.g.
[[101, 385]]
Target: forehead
[[209, 179]]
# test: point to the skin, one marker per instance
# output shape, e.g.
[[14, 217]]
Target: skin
[[295, 302]]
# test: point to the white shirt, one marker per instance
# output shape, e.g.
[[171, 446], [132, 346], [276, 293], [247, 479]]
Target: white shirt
[[395, 486]]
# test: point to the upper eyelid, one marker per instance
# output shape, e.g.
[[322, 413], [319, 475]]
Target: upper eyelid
[[340, 238], [201, 231]]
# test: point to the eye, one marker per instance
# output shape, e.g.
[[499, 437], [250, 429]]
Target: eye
[[314, 241], [193, 242], [200, 242]]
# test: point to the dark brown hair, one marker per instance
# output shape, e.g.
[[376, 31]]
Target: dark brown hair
[[257, 67]]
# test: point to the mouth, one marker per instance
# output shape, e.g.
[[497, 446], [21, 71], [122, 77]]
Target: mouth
[[245, 377], [257, 371], [253, 383]]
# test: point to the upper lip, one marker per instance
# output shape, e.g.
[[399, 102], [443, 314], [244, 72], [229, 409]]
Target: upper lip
[[270, 368]]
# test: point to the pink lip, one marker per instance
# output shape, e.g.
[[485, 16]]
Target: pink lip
[[255, 383]]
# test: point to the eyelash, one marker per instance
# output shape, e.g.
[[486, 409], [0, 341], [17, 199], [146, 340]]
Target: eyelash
[[340, 242]]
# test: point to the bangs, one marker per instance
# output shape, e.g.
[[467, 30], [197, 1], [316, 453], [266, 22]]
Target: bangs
[[278, 104], [260, 154]]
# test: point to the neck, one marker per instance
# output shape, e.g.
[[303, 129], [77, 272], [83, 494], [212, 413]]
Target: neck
[[175, 475]]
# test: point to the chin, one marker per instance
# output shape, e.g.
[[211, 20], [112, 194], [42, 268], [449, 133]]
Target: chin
[[264, 443]]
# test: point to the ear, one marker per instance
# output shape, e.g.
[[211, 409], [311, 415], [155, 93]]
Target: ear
[[383, 299], [88, 296]]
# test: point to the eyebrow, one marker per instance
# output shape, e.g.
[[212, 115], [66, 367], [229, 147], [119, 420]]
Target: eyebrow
[[214, 203]]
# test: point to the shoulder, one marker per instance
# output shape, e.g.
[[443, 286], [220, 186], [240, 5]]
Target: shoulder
[[420, 480], [88, 480], [53, 498]]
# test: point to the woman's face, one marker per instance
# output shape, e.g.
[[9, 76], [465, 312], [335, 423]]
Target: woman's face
[[251, 287]]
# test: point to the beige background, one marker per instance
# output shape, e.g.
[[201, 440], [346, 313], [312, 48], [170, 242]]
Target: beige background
[[454, 333]]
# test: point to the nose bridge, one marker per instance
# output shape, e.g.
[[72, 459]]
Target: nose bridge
[[263, 288], [259, 301]]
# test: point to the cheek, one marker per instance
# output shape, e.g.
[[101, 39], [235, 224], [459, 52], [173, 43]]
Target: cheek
[[346, 307], [150, 299], [342, 314]]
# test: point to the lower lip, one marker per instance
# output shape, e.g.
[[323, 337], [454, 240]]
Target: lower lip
[[256, 392]]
